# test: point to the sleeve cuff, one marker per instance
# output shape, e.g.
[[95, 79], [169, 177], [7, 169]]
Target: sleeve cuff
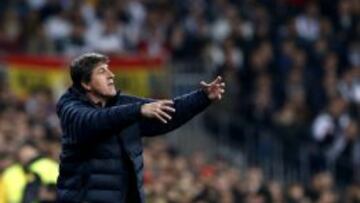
[[204, 97]]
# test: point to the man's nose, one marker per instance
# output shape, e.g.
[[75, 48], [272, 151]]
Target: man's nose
[[110, 74]]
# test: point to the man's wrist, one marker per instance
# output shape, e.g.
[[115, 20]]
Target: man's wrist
[[205, 95]]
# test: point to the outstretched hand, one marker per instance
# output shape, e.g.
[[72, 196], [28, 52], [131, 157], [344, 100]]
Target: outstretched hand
[[214, 89], [160, 110]]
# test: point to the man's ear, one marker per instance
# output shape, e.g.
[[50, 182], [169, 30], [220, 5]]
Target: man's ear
[[86, 87]]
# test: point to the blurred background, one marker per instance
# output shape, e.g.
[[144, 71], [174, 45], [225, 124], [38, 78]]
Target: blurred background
[[287, 130]]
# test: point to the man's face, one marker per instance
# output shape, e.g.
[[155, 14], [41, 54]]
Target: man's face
[[102, 81]]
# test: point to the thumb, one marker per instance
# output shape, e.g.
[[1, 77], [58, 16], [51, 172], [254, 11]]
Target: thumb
[[204, 84]]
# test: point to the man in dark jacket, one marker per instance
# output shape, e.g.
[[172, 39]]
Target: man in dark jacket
[[101, 158]]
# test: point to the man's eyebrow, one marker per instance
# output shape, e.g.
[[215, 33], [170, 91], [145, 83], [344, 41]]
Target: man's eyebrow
[[102, 67]]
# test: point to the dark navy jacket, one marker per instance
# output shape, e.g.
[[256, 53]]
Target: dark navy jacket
[[101, 158]]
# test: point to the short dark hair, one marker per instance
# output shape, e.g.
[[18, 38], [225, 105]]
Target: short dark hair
[[81, 67]]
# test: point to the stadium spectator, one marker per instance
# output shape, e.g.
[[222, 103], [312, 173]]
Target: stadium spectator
[[293, 67], [31, 178]]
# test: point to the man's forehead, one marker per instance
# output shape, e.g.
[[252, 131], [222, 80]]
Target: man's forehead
[[102, 65]]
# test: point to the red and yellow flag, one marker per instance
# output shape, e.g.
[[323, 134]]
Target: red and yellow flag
[[136, 75]]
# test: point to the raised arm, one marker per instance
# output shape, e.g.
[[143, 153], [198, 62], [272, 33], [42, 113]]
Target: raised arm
[[186, 107], [82, 123]]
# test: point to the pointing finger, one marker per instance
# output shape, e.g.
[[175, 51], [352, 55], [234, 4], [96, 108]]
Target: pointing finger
[[160, 118], [164, 115], [167, 102], [168, 108]]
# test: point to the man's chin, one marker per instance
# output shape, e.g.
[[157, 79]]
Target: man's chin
[[111, 94]]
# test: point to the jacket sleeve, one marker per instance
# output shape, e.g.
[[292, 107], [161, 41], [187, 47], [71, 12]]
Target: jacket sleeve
[[187, 106], [82, 123]]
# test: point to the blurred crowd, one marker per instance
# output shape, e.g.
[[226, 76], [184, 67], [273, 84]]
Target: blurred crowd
[[172, 177], [29, 133], [292, 69]]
